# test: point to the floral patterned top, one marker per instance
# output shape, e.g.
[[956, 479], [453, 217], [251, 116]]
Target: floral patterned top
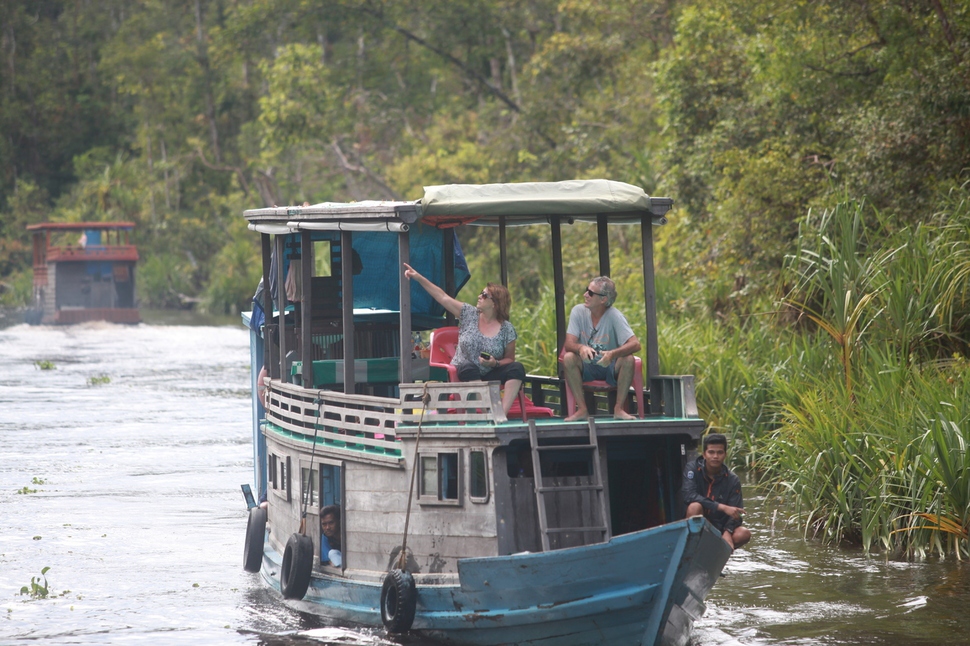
[[471, 341]]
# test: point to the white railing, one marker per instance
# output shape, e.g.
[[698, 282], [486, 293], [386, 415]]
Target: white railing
[[365, 427]]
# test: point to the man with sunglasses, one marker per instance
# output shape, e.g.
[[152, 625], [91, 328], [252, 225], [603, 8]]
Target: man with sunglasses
[[600, 344]]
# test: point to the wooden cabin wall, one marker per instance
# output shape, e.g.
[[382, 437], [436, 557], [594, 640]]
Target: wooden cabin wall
[[77, 288], [373, 512], [438, 534]]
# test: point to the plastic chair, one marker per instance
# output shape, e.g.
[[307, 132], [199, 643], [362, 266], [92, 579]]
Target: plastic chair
[[600, 385], [444, 340]]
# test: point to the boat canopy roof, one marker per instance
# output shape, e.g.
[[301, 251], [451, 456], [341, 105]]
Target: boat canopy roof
[[533, 202], [478, 204]]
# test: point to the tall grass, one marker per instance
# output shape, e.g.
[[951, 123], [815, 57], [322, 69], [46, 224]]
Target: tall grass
[[878, 455]]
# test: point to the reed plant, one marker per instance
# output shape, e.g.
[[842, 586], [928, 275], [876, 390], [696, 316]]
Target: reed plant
[[874, 451]]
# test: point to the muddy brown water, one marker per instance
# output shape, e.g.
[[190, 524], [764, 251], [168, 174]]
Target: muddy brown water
[[122, 449]]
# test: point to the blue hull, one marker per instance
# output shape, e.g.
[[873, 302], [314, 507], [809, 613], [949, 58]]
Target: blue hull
[[644, 588]]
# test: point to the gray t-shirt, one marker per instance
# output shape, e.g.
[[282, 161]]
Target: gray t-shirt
[[471, 341], [612, 331]]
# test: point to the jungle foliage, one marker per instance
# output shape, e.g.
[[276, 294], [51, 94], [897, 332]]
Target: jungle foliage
[[813, 275]]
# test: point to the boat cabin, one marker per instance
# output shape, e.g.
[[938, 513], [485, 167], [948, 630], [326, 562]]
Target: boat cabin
[[83, 271]]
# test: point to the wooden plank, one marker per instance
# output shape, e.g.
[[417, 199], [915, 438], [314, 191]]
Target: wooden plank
[[422, 547], [453, 402], [457, 524]]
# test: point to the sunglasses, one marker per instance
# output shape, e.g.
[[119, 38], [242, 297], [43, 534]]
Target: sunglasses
[[485, 294], [592, 293]]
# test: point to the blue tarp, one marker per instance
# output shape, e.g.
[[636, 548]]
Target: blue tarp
[[376, 286]]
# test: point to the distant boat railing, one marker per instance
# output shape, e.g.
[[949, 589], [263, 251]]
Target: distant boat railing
[[92, 252]]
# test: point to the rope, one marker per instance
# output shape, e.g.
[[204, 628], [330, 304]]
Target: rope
[[306, 490], [402, 558]]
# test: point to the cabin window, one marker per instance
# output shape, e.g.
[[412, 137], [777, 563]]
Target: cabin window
[[477, 476], [440, 478], [321, 258], [278, 475]]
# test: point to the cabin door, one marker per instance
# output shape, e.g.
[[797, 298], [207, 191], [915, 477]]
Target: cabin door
[[642, 484]]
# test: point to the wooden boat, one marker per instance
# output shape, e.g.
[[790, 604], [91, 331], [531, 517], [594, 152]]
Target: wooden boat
[[458, 523], [83, 271]]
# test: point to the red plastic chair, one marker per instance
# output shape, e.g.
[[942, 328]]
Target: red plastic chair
[[444, 340], [600, 385]]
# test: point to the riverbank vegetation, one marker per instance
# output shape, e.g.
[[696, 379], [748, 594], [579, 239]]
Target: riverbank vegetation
[[814, 272]]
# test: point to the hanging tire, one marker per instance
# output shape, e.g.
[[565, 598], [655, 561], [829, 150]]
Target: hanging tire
[[399, 598], [297, 567], [255, 535]]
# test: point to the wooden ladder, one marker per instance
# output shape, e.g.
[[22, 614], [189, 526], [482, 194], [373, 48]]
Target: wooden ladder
[[596, 484]]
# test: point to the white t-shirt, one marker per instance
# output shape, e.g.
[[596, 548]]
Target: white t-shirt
[[611, 332]]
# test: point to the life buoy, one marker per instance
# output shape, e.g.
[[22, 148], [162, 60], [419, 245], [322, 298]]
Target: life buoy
[[398, 601], [297, 567], [255, 535]]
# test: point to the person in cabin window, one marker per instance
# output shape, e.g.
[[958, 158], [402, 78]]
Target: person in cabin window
[[600, 345], [486, 338], [712, 490], [330, 536]]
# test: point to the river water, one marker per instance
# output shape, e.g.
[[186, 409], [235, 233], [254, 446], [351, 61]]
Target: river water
[[122, 449]]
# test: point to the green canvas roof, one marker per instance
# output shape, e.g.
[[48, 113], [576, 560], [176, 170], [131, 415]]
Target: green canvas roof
[[531, 201]]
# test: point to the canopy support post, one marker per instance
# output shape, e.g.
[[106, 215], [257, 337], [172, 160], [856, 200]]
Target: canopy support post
[[267, 248], [650, 307], [503, 251], [603, 244], [448, 252], [347, 289], [280, 368], [306, 308], [404, 307]]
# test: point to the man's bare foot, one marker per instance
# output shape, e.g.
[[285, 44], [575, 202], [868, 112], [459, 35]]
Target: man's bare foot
[[622, 414], [578, 416]]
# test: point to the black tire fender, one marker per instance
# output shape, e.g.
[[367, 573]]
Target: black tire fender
[[399, 598], [255, 535], [297, 567]]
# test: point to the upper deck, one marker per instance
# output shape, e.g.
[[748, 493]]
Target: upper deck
[[82, 241], [338, 350]]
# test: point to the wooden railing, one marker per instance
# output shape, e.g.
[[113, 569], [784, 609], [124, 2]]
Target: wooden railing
[[365, 428]]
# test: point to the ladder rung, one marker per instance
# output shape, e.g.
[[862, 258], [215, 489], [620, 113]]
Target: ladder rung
[[593, 487], [560, 530]]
